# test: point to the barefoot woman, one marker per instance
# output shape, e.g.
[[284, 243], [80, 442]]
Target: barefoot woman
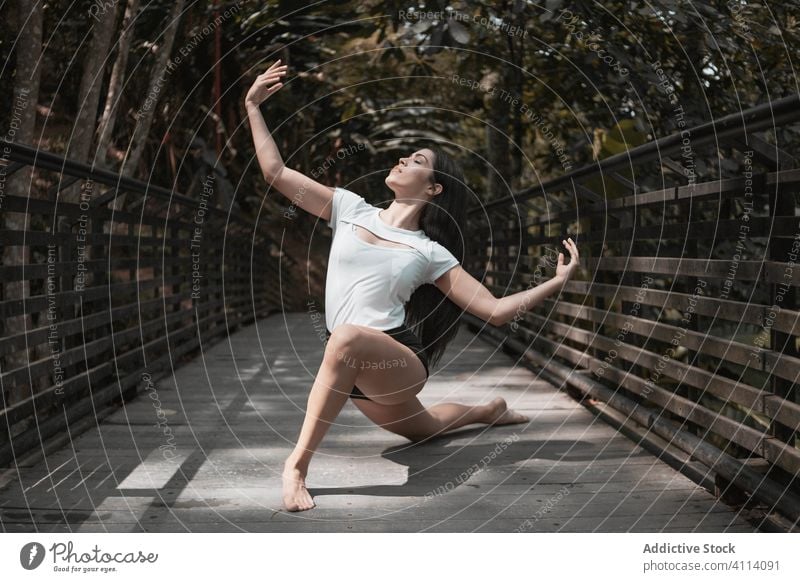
[[389, 271]]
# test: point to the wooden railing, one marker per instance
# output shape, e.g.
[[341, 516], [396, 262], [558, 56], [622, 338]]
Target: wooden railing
[[684, 314], [116, 297]]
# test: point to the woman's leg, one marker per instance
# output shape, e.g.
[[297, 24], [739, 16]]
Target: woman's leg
[[330, 391], [413, 421], [384, 369]]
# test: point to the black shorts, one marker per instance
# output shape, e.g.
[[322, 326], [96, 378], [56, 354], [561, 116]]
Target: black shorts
[[405, 336]]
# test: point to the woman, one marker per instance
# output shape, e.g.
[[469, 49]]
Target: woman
[[378, 258]]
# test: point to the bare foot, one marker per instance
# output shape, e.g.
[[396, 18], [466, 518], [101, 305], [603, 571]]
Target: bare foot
[[295, 495], [500, 414]]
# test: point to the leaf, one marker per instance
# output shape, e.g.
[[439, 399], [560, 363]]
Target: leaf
[[349, 111], [434, 45], [457, 32], [422, 26]]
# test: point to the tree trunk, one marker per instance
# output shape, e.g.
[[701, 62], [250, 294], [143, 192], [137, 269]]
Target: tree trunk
[[147, 110], [517, 46], [109, 117], [80, 144], [498, 178], [26, 93]]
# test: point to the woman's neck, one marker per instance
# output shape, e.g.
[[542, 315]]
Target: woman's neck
[[403, 215]]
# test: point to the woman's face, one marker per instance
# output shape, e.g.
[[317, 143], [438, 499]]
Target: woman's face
[[413, 175]]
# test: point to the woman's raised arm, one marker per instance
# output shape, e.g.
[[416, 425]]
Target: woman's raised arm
[[300, 189], [473, 297]]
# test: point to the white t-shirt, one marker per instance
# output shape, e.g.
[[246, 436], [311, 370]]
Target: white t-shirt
[[367, 284]]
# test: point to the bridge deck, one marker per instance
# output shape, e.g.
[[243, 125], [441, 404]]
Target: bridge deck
[[204, 449]]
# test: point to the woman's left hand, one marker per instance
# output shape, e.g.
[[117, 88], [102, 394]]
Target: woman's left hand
[[563, 271]]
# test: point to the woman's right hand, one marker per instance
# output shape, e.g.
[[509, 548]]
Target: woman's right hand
[[265, 84]]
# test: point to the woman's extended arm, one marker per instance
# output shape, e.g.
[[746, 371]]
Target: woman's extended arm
[[473, 297], [303, 191]]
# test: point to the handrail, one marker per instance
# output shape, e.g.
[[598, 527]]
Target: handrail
[[26, 155], [754, 119]]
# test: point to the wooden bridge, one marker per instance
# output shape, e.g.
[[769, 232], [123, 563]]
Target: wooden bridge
[[233, 414], [147, 391]]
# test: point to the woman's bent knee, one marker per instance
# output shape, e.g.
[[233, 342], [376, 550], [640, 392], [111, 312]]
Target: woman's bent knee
[[374, 354], [345, 343]]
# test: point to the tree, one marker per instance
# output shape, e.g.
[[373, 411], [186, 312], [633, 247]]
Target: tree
[[28, 18], [146, 112], [81, 141], [115, 83]]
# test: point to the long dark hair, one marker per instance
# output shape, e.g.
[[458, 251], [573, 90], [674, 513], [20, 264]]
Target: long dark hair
[[433, 317]]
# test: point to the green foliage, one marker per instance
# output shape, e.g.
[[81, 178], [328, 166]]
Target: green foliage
[[544, 77]]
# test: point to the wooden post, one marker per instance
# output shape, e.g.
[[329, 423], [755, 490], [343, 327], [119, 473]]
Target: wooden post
[[782, 203]]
